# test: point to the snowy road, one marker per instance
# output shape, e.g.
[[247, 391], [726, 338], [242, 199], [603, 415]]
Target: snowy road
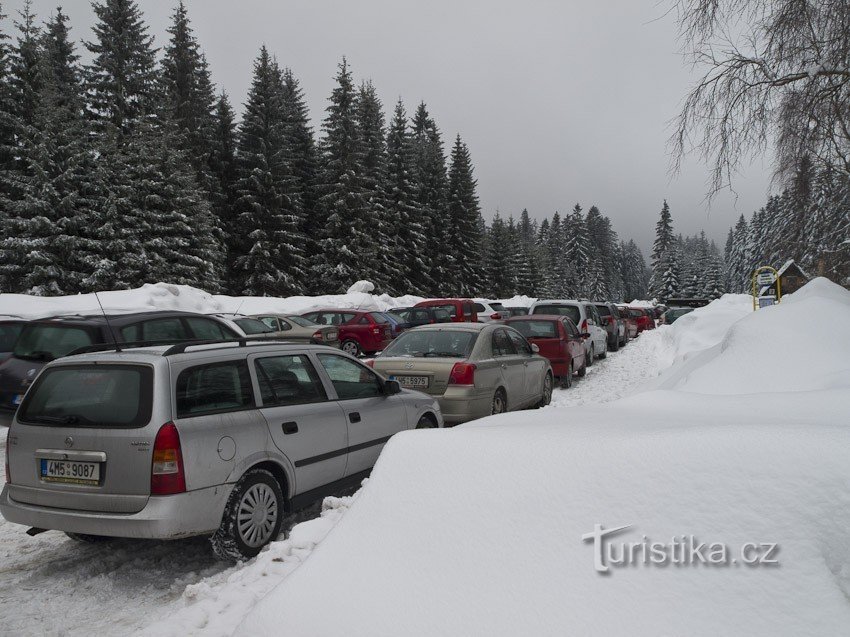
[[51, 585]]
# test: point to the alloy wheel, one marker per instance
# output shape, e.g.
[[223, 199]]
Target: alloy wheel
[[257, 515]]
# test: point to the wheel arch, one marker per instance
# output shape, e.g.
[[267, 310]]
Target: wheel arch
[[280, 475]]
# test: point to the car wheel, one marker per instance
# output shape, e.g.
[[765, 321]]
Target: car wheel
[[615, 346], [85, 538], [546, 398], [604, 352], [583, 371], [591, 356], [252, 517], [500, 402], [351, 347], [567, 381], [426, 422]]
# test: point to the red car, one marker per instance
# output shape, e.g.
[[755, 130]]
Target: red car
[[461, 310], [630, 317], [558, 339], [360, 332], [645, 318]]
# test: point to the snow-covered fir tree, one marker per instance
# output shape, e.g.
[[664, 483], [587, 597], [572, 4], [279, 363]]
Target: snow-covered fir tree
[[466, 222]]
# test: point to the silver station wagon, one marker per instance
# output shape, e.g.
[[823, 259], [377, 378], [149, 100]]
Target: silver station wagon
[[221, 439]]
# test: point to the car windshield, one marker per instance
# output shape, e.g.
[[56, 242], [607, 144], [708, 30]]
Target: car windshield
[[498, 307], [90, 395], [603, 310], [300, 320], [252, 326], [432, 344], [8, 335], [44, 342], [536, 329], [563, 310], [378, 317]]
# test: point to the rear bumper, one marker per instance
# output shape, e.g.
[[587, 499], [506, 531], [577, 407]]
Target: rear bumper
[[163, 517], [559, 367], [371, 347], [461, 404]]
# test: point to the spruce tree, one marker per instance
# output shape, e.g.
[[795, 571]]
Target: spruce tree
[[225, 170], [665, 270], [466, 221], [579, 269], [377, 248]]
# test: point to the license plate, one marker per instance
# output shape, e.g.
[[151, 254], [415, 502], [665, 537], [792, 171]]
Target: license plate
[[70, 471], [17, 399], [412, 382], [332, 336]]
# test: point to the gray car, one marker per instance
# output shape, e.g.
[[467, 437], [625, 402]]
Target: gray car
[[297, 329], [219, 439]]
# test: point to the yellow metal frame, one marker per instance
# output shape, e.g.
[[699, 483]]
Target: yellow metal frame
[[776, 278]]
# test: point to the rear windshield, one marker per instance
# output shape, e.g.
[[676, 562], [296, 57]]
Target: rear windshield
[[41, 341], [498, 307], [450, 308], [8, 335], [299, 320], [90, 396], [378, 318], [536, 329], [432, 344], [252, 326], [603, 310], [564, 310]]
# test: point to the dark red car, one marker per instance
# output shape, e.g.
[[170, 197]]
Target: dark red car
[[630, 317], [461, 310], [360, 332], [645, 318], [558, 339]]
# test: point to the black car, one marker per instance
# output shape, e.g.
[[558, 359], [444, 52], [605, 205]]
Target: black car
[[516, 311], [44, 340], [415, 316], [10, 329], [614, 324]]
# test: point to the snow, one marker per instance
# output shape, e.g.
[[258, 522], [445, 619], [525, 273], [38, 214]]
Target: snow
[[477, 530], [166, 296]]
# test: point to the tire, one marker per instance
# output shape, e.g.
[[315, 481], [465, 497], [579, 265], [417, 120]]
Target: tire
[[604, 353], [85, 538], [351, 347], [546, 398], [258, 499], [426, 421], [500, 402], [591, 356], [583, 371], [615, 346], [567, 381]]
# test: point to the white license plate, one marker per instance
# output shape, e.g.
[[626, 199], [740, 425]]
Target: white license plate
[[70, 471], [332, 336], [412, 382]]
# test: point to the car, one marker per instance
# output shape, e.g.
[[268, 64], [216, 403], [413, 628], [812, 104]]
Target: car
[[397, 325], [245, 325], [473, 369], [360, 331], [220, 439], [669, 317], [585, 317], [10, 329], [516, 311], [613, 324], [630, 319], [489, 310], [415, 316], [297, 329], [44, 340], [644, 318], [460, 310], [558, 339]]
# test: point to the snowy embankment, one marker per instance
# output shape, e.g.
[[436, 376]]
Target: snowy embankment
[[166, 296], [478, 530]]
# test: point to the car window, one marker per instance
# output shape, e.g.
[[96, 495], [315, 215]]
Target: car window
[[162, 329], [571, 311], [467, 310], [283, 325], [272, 322], [288, 380], [299, 320], [363, 320], [615, 311], [432, 344], [39, 341], [479, 308], [603, 310], [520, 344], [8, 335], [351, 379], [450, 308], [214, 388], [440, 315], [252, 326], [536, 329], [87, 395], [502, 345], [312, 316], [207, 329], [498, 307], [378, 317]]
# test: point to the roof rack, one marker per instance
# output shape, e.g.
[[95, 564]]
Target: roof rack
[[107, 347], [244, 341]]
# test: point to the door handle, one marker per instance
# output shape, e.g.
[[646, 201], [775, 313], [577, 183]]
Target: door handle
[[354, 416], [504, 366], [290, 427]]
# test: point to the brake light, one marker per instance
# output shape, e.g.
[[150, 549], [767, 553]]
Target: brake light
[[462, 374], [318, 335], [167, 475], [495, 316], [8, 440], [584, 325]]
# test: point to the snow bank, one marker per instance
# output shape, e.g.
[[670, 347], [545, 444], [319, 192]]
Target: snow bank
[[165, 296], [478, 530], [519, 300]]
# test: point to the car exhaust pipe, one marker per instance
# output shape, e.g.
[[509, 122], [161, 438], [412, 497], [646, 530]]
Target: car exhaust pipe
[[33, 531]]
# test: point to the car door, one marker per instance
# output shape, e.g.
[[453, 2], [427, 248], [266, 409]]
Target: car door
[[512, 368], [272, 321], [305, 425], [371, 415], [533, 366], [574, 341]]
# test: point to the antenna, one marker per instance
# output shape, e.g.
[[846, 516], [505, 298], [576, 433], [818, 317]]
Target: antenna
[[239, 307], [108, 324]]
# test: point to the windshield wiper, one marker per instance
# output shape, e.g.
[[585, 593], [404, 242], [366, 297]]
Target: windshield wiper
[[38, 355], [443, 355], [68, 419]]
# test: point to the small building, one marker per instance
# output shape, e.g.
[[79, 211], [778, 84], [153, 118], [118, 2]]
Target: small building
[[791, 277]]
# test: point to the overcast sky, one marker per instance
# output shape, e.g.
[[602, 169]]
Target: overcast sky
[[560, 101]]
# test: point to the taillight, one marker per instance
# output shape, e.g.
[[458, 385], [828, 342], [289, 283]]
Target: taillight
[[584, 325], [8, 441], [495, 316], [167, 475], [462, 374], [318, 335]]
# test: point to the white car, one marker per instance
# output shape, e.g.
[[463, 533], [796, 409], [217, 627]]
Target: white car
[[586, 318], [490, 310]]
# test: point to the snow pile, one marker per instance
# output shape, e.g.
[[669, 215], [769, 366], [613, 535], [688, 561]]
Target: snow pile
[[520, 300], [218, 603], [166, 296], [478, 530]]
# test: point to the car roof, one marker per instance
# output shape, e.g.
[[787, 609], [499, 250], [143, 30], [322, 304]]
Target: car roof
[[114, 319], [339, 309], [453, 327], [445, 300], [564, 301], [536, 317]]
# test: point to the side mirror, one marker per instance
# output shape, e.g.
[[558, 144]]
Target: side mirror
[[534, 348], [585, 335], [391, 387]]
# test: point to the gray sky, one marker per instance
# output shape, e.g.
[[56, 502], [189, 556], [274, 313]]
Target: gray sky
[[559, 101]]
